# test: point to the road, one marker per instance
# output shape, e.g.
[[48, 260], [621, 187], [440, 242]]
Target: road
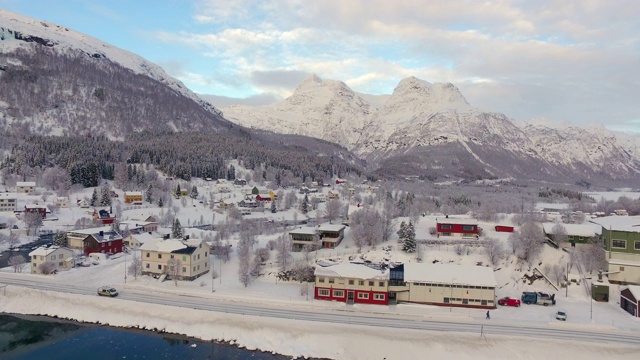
[[398, 321]]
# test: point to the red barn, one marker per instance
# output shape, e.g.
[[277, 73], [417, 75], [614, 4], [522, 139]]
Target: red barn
[[457, 227], [504, 228], [352, 283], [105, 242], [37, 209], [263, 198]]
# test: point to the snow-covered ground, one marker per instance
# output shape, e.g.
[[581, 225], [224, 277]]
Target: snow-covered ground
[[613, 195]]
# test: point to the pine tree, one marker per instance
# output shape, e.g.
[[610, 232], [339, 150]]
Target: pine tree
[[305, 204], [176, 229], [194, 192], [402, 232], [105, 195], [410, 238], [148, 195], [94, 198], [160, 202], [178, 191], [60, 239]]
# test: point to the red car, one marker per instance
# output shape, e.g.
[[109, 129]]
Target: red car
[[507, 301]]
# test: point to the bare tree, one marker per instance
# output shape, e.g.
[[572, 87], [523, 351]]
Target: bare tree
[[419, 253], [493, 250], [17, 263], [559, 233], [366, 227], [283, 251], [593, 256], [531, 242], [47, 268], [244, 261], [83, 223], [174, 270], [135, 269], [33, 221]]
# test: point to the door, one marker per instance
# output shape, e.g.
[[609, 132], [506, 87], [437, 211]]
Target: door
[[350, 297], [392, 298]]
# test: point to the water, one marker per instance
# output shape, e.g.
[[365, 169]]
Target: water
[[41, 337], [24, 250]]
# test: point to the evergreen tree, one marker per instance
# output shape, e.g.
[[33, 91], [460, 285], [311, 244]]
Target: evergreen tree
[[60, 239], [178, 191], [148, 195], [194, 192], [273, 206], [160, 202], [410, 238], [94, 198], [305, 204], [105, 195], [255, 190], [176, 229], [402, 232]]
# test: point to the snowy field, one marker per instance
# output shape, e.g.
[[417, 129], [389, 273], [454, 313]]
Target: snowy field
[[311, 339], [613, 195]]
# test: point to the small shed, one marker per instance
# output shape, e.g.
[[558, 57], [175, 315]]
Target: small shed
[[504, 228], [630, 300]]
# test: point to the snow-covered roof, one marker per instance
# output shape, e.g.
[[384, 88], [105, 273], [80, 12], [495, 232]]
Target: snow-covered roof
[[331, 227], [635, 290], [25, 183], [35, 206], [447, 274], [45, 251], [8, 195], [144, 237], [133, 193], [349, 270], [586, 230], [136, 223], [460, 221], [91, 231], [622, 223], [169, 245], [304, 230], [541, 206]]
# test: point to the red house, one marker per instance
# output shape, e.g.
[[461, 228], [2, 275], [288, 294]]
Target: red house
[[340, 181], [352, 283], [263, 198], [105, 242], [465, 228], [504, 228], [103, 216], [38, 209]]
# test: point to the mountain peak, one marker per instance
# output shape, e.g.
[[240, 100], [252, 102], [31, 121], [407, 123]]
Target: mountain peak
[[436, 96]]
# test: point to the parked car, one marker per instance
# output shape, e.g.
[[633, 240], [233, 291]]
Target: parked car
[[107, 291], [507, 301], [561, 315]]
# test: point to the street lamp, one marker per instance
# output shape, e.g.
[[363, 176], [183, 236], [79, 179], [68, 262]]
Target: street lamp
[[451, 296]]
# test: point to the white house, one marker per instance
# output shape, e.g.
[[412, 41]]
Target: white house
[[62, 202], [26, 187], [192, 255], [61, 258], [8, 202]]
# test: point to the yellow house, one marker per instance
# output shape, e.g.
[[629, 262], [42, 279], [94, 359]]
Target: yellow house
[[26, 187], [133, 197], [190, 255], [273, 195], [60, 258]]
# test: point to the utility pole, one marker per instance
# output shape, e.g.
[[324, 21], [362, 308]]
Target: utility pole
[[212, 278], [567, 284]]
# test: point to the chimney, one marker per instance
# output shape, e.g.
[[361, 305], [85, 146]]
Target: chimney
[[101, 233], [186, 237]]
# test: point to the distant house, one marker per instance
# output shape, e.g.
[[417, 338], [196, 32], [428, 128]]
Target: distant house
[[76, 237], [103, 216], [82, 203], [224, 204], [630, 300], [240, 182], [193, 255], [61, 258], [504, 228], [351, 283], [36, 209], [301, 237], [103, 242], [8, 202], [133, 197], [331, 235], [134, 241], [26, 187], [621, 235], [263, 198], [62, 202], [333, 195], [248, 203], [466, 228], [340, 181], [138, 226], [576, 233]]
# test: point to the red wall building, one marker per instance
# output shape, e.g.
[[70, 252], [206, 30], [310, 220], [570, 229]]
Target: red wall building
[[352, 284], [504, 228], [457, 227], [37, 209], [103, 242]]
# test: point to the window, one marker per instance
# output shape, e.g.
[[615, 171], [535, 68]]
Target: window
[[381, 284], [361, 282], [53, 257], [331, 281], [206, 253], [159, 256], [468, 227], [184, 258], [363, 296], [446, 234], [194, 269], [446, 300], [171, 256], [371, 283], [619, 244], [378, 296], [198, 256], [148, 254], [147, 265], [445, 227], [338, 293], [184, 269], [323, 292], [101, 244], [60, 263], [636, 245], [621, 268], [351, 282], [321, 280], [159, 267], [465, 301]]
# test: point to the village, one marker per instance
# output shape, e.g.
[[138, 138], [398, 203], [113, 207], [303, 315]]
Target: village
[[312, 252]]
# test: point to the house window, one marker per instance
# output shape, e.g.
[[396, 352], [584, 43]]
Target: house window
[[363, 296], [378, 296], [159, 267], [361, 282], [619, 244], [323, 292], [636, 245], [338, 293], [184, 258], [331, 281], [60, 264], [372, 283], [321, 280], [184, 269], [446, 234], [446, 300], [621, 268], [148, 254], [159, 256], [147, 265], [206, 253], [445, 227], [53, 257], [101, 244], [198, 256], [172, 256], [194, 269], [381, 284], [468, 227], [351, 282]]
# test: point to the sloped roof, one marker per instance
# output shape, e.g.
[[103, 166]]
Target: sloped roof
[[635, 291], [26, 183], [91, 231], [45, 251], [171, 245], [459, 221], [619, 223], [304, 231], [587, 230], [331, 227], [349, 270], [448, 273]]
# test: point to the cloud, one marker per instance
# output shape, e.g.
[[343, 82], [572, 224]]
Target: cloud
[[255, 100], [545, 59]]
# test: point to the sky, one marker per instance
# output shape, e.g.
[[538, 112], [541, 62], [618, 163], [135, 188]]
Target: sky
[[554, 62]]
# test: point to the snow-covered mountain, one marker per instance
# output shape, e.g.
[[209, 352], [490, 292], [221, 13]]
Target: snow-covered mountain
[[433, 131]]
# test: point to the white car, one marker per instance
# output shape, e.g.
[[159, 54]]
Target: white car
[[561, 315], [107, 291]]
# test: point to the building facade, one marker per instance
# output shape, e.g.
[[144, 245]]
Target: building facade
[[60, 258], [133, 197], [621, 240], [303, 236], [331, 235], [36, 209], [103, 242], [26, 187], [466, 228], [76, 237], [191, 256], [352, 284], [8, 202], [630, 300]]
